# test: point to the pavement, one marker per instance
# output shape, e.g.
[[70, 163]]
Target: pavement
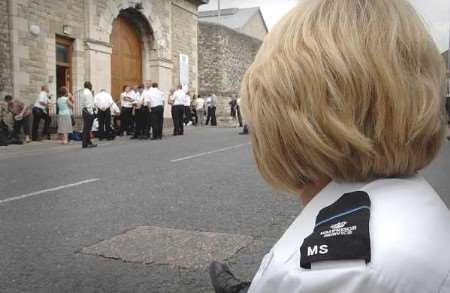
[[104, 219]]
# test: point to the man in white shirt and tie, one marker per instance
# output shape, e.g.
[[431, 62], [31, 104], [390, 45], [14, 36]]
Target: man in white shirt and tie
[[103, 102], [40, 112], [87, 106], [179, 99], [154, 98]]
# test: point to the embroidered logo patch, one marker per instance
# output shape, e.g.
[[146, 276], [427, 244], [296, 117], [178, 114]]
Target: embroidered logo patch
[[341, 231]]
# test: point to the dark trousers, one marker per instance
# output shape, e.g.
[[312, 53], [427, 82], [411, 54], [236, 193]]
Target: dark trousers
[[239, 116], [157, 121], [104, 124], [126, 118], [88, 119], [211, 116], [38, 115], [142, 120], [187, 115], [18, 125], [194, 116], [178, 112]]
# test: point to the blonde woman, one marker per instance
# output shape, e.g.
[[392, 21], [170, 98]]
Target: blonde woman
[[344, 103]]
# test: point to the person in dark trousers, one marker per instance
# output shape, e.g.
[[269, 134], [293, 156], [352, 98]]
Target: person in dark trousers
[[179, 99], [41, 112], [103, 102], [187, 109], [141, 114], [154, 98], [87, 106], [126, 116], [211, 103]]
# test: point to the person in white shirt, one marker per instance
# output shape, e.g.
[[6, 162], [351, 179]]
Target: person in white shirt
[[179, 100], [87, 106], [187, 109], [155, 100], [200, 109], [141, 114], [103, 101], [211, 103], [350, 138], [41, 112], [126, 117]]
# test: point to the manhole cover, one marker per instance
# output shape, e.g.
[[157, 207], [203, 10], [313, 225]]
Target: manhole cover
[[180, 248]]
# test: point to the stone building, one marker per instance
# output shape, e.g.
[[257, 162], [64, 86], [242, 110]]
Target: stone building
[[226, 51], [109, 42]]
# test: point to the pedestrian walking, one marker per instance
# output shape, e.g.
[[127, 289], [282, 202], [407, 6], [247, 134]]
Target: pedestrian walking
[[87, 106], [233, 111], [41, 112], [179, 100], [187, 109], [238, 111], [200, 110], [103, 101], [21, 115], [64, 110], [211, 103], [155, 100], [350, 137]]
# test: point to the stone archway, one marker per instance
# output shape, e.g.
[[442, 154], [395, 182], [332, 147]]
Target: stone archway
[[132, 42]]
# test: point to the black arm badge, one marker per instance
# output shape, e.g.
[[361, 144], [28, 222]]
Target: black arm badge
[[341, 231]]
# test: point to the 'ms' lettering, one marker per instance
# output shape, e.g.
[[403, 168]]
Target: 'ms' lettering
[[312, 250], [322, 249]]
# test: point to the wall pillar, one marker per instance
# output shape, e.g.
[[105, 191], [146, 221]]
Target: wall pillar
[[99, 58]]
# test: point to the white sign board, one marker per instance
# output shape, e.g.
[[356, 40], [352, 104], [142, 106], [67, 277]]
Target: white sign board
[[184, 69]]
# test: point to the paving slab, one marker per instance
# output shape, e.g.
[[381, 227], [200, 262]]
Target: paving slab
[[173, 247]]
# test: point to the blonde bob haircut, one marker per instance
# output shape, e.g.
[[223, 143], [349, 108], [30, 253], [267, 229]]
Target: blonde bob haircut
[[346, 89]]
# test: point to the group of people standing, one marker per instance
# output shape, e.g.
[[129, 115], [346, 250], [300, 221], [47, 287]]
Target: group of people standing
[[141, 113]]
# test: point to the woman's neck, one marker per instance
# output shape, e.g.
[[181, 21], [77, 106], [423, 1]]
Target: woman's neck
[[310, 190]]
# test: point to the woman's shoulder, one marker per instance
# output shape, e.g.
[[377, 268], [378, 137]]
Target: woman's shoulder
[[409, 230]]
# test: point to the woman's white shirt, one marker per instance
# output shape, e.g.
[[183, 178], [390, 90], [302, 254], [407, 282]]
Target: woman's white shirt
[[409, 243]]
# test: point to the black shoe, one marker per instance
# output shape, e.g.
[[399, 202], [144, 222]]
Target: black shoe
[[224, 281], [90, 146], [134, 137]]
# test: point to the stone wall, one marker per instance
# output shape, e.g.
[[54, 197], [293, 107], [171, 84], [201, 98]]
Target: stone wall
[[34, 54], [184, 40], [224, 57], [5, 51]]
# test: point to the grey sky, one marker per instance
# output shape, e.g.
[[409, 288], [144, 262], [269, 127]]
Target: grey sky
[[436, 13]]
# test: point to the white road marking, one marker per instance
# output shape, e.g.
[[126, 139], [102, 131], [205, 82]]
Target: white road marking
[[209, 153], [48, 190]]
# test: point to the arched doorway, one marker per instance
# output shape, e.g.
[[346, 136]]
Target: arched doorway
[[126, 59]]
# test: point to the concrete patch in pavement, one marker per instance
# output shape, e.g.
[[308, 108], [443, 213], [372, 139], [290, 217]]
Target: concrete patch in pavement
[[164, 246]]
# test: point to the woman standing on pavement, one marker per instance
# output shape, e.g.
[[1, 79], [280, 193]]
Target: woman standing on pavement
[[344, 103], [65, 106]]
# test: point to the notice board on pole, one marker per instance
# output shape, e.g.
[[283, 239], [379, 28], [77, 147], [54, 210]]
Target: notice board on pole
[[184, 69]]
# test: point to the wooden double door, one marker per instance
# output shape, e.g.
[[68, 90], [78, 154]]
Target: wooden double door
[[126, 59]]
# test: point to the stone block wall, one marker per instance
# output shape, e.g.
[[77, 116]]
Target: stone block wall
[[224, 57], [5, 51], [34, 55], [184, 40]]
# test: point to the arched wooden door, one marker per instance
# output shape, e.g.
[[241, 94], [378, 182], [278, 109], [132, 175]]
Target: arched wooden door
[[126, 59]]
